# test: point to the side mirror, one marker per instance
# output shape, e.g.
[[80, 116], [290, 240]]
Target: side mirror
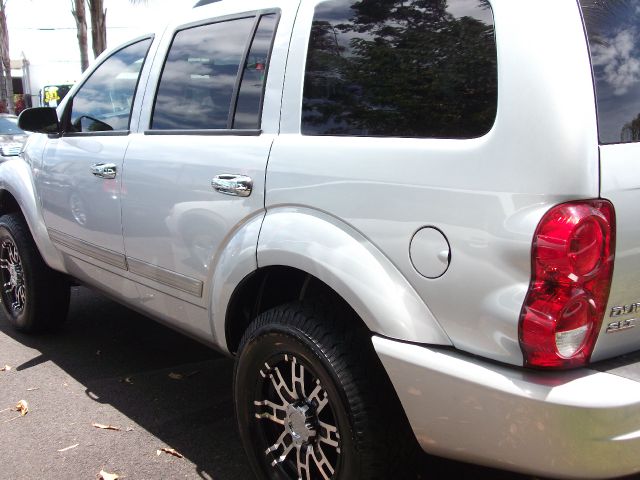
[[40, 120]]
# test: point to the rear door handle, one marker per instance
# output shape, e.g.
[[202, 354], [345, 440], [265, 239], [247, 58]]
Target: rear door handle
[[231, 184], [104, 170]]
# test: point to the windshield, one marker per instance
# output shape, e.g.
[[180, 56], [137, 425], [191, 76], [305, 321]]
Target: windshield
[[9, 126]]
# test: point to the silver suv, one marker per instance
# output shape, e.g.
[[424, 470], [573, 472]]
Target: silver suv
[[410, 222]]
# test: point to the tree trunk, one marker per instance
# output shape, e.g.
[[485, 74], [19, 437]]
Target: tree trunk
[[6, 59], [80, 15], [3, 88], [98, 26]]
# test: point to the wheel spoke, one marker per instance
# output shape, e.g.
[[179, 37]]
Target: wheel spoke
[[319, 396], [280, 443], [21, 295], [329, 435], [281, 387], [303, 462], [13, 254], [324, 467], [297, 378], [273, 414]]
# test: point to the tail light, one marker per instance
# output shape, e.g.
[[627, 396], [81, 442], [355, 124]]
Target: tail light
[[572, 266]]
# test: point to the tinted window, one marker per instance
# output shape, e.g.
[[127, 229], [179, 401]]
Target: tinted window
[[413, 68], [613, 28], [254, 75], [105, 100], [197, 84]]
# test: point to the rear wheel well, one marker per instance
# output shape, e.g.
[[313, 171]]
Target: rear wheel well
[[267, 288], [8, 203]]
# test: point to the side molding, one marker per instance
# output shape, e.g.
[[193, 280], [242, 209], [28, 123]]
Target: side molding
[[16, 178], [345, 260]]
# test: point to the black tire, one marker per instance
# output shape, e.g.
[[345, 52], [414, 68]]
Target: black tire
[[34, 297], [338, 382]]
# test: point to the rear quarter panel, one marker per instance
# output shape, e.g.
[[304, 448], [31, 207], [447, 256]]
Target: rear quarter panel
[[485, 194]]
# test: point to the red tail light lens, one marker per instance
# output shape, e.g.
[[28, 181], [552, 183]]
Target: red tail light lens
[[572, 266]]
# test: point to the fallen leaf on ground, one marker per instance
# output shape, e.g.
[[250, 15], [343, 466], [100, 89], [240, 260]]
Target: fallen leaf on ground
[[6, 368], [129, 429], [182, 376], [170, 451], [32, 389], [107, 476], [23, 407], [105, 427], [68, 448]]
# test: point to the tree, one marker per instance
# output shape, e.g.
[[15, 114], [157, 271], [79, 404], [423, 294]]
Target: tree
[[6, 95], [98, 26], [79, 14], [98, 19]]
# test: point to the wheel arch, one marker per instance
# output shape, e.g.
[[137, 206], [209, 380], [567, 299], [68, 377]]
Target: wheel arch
[[269, 287], [302, 252], [18, 194]]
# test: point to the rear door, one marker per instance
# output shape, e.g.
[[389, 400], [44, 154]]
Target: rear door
[[614, 38], [195, 172]]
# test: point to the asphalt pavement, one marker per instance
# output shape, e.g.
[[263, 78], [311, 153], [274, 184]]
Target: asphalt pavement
[[111, 367]]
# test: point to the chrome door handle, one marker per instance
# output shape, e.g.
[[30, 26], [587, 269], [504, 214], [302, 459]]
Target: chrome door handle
[[235, 185], [104, 170]]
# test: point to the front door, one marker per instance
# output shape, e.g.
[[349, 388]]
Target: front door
[[80, 177]]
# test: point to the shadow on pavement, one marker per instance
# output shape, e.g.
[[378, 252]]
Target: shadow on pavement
[[124, 360]]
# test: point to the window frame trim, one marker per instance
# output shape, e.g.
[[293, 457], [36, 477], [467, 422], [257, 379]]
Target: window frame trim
[[240, 132], [257, 16], [65, 120]]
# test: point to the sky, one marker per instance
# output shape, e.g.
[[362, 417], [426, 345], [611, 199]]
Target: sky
[[45, 30]]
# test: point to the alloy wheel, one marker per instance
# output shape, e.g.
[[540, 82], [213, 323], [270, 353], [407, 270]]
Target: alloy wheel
[[296, 421], [12, 276]]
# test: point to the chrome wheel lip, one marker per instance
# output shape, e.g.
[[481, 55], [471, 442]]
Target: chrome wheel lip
[[14, 293], [296, 421]]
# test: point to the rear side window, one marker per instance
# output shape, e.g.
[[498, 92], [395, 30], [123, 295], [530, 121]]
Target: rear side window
[[413, 68], [613, 29], [212, 70]]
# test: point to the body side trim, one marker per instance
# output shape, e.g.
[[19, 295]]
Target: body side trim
[[90, 250], [166, 277]]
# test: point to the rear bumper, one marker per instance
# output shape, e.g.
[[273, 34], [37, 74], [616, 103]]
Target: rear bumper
[[573, 424]]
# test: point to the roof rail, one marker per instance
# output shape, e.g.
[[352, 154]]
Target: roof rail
[[204, 2]]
